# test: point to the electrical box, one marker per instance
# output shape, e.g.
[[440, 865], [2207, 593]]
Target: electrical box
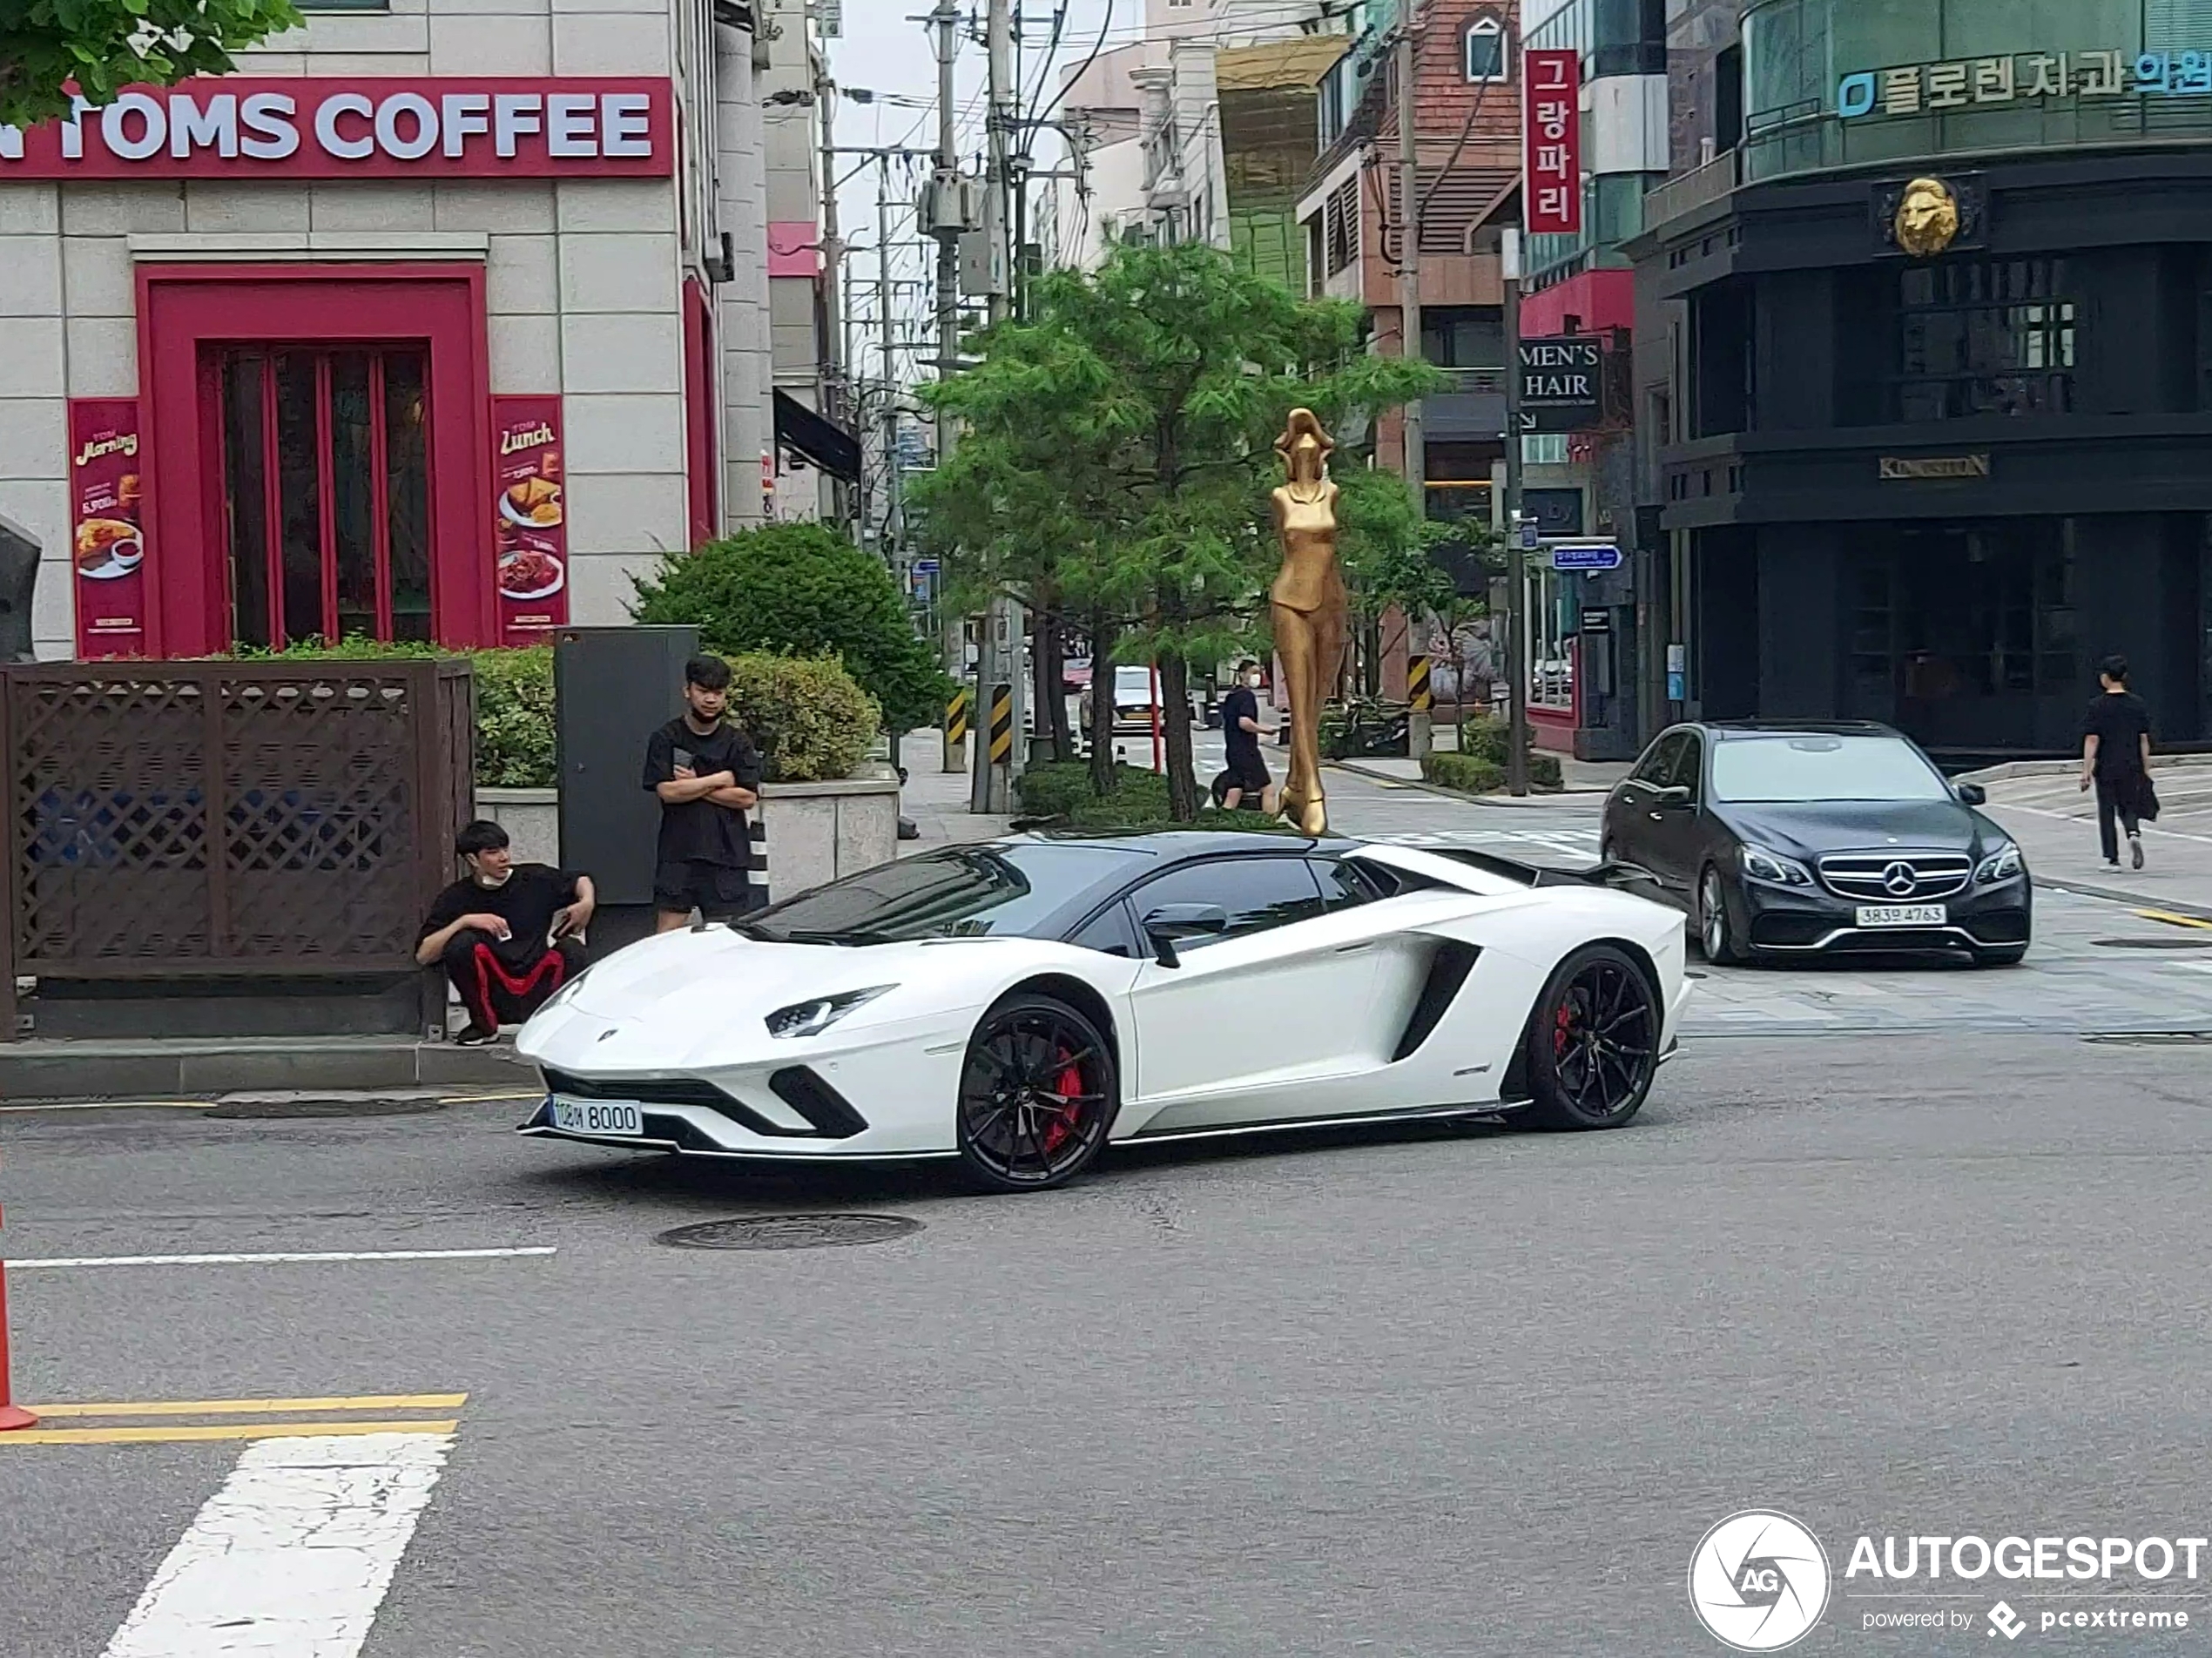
[[951, 205], [982, 264]]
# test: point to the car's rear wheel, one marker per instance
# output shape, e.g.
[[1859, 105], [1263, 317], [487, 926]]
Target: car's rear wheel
[[1594, 1041], [1714, 934], [1037, 1094]]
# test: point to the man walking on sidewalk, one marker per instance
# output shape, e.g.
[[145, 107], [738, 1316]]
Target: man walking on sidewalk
[[508, 934], [2115, 758], [1248, 785], [707, 774]]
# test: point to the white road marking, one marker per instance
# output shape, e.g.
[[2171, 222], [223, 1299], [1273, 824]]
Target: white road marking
[[278, 1259], [294, 1555]]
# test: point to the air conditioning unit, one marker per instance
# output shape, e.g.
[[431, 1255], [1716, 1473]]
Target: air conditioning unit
[[950, 205]]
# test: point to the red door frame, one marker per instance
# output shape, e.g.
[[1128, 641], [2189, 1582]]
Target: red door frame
[[183, 309], [702, 388]]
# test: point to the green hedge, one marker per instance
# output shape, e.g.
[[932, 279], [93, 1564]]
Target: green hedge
[[1488, 740], [514, 743], [1470, 774], [810, 719], [1139, 799]]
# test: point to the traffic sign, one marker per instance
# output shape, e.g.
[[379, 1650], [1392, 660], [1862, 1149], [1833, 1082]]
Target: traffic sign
[[929, 566], [1585, 555]]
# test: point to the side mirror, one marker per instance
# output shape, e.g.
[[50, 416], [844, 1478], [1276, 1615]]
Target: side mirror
[[1973, 794], [1170, 922], [1674, 794]]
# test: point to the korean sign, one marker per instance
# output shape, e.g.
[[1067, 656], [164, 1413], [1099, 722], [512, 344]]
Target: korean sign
[[1551, 153], [1970, 82], [337, 127]]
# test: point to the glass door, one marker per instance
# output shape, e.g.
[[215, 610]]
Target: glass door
[[327, 493]]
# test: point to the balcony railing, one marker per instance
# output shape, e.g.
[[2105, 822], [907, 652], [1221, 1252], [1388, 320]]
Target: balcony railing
[[1686, 192]]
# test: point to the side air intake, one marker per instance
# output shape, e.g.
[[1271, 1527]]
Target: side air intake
[[1447, 971]]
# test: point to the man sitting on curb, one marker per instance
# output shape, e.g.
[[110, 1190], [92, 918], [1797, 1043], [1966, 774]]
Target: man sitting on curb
[[508, 935]]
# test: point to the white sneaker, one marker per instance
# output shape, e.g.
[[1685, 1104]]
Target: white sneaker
[[2135, 850]]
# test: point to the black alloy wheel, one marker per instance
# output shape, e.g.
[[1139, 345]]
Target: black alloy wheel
[[1594, 1041], [1037, 1094], [1714, 935]]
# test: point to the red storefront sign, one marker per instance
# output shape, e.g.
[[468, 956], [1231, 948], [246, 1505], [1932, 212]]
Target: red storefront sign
[[1552, 142], [363, 127], [532, 511], [107, 541]]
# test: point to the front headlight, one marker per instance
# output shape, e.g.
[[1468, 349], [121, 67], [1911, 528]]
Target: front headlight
[[2003, 864], [566, 993], [1772, 867], [812, 1018]]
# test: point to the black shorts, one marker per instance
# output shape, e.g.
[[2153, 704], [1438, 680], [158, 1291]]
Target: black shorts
[[1248, 772], [716, 891]]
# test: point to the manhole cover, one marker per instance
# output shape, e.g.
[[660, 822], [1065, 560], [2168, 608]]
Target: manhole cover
[[310, 1105], [2156, 944], [790, 1232], [2152, 1038]]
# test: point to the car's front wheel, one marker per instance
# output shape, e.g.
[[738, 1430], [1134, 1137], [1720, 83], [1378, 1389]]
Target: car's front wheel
[[1037, 1094], [1715, 933], [1594, 1041]]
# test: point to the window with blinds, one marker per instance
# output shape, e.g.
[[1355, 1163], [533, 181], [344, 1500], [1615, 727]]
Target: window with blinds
[[1343, 227]]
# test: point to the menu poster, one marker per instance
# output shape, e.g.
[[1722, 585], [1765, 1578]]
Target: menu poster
[[108, 547], [532, 507]]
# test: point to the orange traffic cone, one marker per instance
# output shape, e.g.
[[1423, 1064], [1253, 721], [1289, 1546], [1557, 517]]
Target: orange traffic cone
[[11, 1415]]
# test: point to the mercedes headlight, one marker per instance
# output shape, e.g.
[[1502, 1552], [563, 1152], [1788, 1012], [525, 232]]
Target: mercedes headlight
[[1773, 868], [814, 1017], [2003, 864]]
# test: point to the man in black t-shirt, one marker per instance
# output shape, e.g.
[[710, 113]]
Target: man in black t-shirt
[[1240, 741], [509, 935], [2115, 757], [707, 774]]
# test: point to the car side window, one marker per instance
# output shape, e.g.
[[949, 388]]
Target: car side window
[[1256, 893], [1688, 770], [1344, 883], [1659, 761], [1111, 933]]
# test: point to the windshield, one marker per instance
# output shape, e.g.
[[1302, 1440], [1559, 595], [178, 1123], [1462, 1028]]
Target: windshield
[[1816, 767], [961, 892], [1133, 685]]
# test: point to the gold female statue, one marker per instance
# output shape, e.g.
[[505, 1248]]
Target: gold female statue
[[1308, 604]]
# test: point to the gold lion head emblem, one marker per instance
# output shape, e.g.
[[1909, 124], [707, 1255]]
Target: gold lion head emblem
[[1927, 218]]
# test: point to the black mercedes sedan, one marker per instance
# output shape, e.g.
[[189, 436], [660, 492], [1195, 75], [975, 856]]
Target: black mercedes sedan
[[1786, 838]]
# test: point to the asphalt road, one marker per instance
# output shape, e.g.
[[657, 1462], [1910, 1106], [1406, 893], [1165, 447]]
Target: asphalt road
[[1420, 1391]]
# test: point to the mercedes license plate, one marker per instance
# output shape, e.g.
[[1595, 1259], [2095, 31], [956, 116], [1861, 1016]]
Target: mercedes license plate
[[597, 1116], [1903, 915]]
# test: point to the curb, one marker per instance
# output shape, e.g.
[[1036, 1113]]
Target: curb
[[62, 1070], [1554, 797], [2009, 769], [2117, 895]]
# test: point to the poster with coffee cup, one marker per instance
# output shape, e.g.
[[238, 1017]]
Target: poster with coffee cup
[[108, 545], [532, 513]]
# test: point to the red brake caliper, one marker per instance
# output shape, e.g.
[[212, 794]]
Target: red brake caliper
[[1563, 1029], [1063, 1122]]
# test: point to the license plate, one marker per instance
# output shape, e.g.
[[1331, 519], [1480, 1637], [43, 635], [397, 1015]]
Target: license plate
[[1903, 915], [597, 1116]]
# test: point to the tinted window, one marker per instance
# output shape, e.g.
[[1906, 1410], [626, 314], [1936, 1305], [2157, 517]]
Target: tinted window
[[1006, 889], [1109, 932], [1257, 893], [1816, 768], [1690, 765], [1344, 883], [1659, 759]]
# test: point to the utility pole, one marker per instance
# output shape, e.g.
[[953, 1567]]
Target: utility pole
[[1418, 736], [1516, 642], [1001, 655], [886, 547], [945, 23], [834, 389]]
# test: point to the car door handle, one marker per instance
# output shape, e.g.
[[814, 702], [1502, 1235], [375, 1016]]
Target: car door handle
[[1354, 949]]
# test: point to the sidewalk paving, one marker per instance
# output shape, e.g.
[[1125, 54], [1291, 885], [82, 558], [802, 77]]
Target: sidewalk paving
[[2040, 805], [937, 800], [1587, 781]]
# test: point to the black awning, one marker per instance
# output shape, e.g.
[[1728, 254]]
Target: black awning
[[829, 445]]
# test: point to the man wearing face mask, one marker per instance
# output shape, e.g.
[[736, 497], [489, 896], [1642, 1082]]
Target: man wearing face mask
[[1240, 738]]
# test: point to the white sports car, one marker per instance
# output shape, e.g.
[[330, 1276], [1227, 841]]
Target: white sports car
[[1021, 1003]]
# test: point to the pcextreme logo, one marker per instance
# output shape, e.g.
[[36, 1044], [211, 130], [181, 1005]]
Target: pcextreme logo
[[1758, 1581]]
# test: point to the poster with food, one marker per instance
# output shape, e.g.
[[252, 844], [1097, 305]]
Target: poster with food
[[532, 513], [108, 544]]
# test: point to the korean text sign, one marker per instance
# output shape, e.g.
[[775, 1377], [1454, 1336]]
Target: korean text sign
[[348, 127], [1552, 142]]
